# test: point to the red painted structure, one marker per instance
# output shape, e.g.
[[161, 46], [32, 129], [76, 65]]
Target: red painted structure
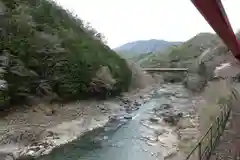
[[213, 11]]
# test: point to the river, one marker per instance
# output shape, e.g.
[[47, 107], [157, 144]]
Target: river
[[134, 137]]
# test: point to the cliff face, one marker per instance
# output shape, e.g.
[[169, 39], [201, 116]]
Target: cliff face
[[47, 52]]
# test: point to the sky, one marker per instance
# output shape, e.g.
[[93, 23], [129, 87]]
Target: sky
[[122, 21]]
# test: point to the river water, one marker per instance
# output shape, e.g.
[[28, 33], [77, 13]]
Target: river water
[[133, 138]]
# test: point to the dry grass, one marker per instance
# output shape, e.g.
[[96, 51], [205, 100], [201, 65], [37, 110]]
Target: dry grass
[[215, 95]]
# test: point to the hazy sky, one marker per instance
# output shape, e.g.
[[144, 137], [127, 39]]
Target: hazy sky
[[122, 21]]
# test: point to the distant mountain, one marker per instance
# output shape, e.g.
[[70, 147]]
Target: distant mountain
[[136, 48], [184, 55]]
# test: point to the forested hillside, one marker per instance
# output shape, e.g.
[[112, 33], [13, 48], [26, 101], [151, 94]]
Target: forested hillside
[[48, 52]]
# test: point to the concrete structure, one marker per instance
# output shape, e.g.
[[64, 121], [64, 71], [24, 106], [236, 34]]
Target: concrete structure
[[165, 69]]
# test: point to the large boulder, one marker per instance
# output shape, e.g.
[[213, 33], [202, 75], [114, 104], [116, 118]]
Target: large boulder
[[195, 82], [171, 117], [104, 76], [167, 112], [103, 82]]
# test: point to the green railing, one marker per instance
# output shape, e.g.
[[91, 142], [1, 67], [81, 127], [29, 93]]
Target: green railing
[[204, 148]]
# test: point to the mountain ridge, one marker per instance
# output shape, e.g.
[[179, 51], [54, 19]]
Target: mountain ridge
[[139, 47], [184, 55]]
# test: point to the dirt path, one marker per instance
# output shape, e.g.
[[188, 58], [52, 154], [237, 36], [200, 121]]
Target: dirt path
[[228, 146]]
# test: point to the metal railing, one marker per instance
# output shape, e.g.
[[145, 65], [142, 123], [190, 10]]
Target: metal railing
[[204, 148]]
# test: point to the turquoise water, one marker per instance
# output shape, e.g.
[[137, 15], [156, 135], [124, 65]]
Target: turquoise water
[[122, 143]]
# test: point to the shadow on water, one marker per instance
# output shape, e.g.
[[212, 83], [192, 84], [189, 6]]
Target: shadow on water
[[90, 141], [82, 145]]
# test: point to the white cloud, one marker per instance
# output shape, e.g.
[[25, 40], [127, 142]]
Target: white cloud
[[122, 21]]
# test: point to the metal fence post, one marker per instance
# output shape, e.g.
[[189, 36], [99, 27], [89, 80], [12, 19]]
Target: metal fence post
[[200, 150], [225, 111], [211, 144], [222, 121], [218, 126]]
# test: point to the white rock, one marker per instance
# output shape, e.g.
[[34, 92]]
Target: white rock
[[226, 70], [31, 152]]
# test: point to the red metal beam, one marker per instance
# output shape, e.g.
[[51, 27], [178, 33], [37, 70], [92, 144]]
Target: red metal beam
[[213, 11]]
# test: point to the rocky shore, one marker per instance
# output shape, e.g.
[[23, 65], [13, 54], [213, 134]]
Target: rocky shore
[[34, 131], [172, 126]]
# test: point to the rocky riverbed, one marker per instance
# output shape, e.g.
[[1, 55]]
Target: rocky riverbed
[[165, 116], [35, 130]]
